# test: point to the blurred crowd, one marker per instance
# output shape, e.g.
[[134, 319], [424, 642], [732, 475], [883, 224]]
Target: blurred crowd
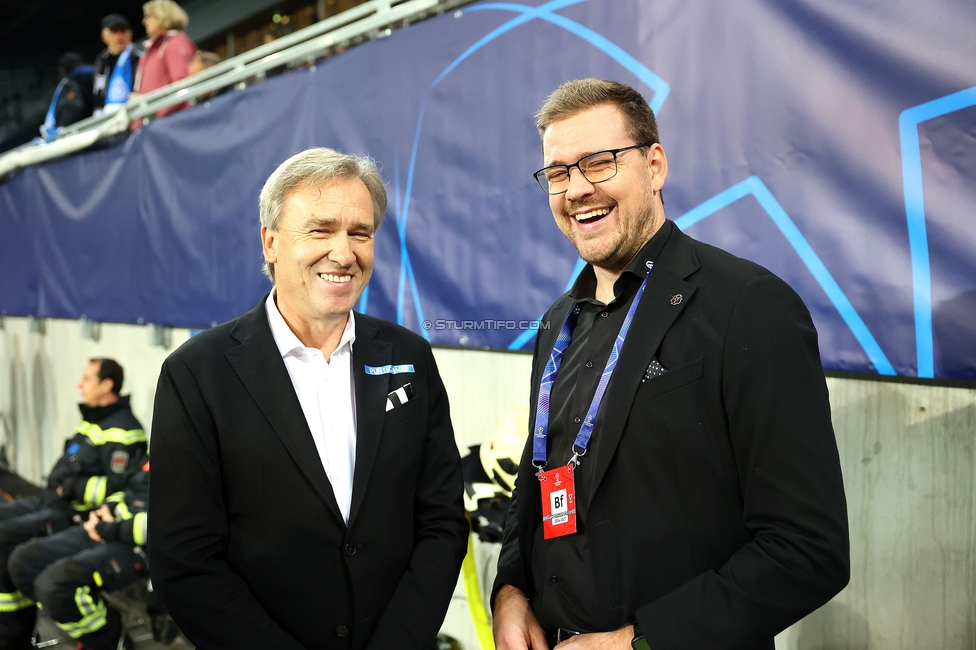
[[125, 68]]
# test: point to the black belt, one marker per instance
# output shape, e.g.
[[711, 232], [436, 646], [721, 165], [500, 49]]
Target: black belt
[[558, 635]]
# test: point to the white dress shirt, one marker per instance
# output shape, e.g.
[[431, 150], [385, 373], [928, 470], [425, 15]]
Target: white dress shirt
[[326, 391]]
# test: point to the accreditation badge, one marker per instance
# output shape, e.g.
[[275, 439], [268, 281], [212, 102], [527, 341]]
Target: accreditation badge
[[558, 502]]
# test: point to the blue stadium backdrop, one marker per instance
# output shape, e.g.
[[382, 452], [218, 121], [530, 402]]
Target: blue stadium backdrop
[[832, 141]]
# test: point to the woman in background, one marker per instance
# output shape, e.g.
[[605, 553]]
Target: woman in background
[[168, 51]]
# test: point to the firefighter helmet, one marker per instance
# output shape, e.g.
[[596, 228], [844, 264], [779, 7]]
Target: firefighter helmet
[[502, 451]]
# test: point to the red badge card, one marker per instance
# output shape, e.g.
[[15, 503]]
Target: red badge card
[[558, 502]]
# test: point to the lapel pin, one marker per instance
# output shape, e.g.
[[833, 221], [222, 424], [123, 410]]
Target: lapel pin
[[676, 299]]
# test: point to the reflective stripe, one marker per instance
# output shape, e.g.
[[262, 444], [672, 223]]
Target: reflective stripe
[[100, 436], [84, 601], [14, 601], [122, 511], [139, 526], [479, 615], [115, 497], [97, 577], [95, 490], [94, 614]]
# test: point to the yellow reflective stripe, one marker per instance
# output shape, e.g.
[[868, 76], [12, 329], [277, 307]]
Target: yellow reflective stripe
[[139, 526], [122, 511], [94, 615], [115, 497], [95, 490], [479, 615], [84, 601], [100, 436], [98, 578], [13, 601]]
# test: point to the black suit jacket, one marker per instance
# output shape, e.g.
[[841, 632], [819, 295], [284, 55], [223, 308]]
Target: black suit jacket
[[248, 547], [717, 516]]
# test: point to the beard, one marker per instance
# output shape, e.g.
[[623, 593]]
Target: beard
[[614, 251]]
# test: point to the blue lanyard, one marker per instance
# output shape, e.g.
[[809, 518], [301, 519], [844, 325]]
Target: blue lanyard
[[541, 434]]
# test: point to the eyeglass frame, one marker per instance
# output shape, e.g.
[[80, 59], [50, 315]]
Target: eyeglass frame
[[542, 179]]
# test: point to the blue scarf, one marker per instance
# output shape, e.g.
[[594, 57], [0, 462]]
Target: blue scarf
[[50, 130], [120, 82]]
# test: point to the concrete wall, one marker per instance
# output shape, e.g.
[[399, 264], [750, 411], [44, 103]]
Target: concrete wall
[[908, 454], [39, 374], [909, 459]]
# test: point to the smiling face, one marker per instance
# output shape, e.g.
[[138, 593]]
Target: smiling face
[[607, 222], [322, 252]]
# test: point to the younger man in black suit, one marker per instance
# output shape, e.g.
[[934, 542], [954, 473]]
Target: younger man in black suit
[[682, 487]]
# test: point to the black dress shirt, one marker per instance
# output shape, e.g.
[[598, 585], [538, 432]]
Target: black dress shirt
[[565, 592]]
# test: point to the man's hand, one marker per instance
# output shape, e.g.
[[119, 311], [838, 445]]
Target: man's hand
[[60, 490], [90, 527], [105, 513], [515, 626], [618, 640]]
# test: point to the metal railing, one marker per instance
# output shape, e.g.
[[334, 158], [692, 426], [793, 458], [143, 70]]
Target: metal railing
[[370, 20]]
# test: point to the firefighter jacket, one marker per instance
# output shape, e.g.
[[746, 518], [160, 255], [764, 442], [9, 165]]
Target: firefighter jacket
[[106, 445], [129, 509]]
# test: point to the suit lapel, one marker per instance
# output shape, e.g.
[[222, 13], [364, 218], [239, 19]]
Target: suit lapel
[[371, 394], [655, 315], [259, 366]]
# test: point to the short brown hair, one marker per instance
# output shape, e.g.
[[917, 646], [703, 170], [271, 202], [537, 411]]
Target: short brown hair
[[580, 94], [110, 369], [169, 14]]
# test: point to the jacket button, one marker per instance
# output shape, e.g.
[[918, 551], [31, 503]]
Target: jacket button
[[342, 631], [349, 549], [577, 420], [589, 364], [553, 579]]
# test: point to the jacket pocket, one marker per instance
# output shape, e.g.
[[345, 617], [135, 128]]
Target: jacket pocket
[[400, 413], [670, 380]]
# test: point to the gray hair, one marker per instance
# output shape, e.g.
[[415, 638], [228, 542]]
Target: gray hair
[[314, 167]]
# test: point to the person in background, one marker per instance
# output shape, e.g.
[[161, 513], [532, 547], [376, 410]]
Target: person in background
[[67, 572], [72, 101], [116, 65], [201, 61], [168, 51], [107, 444]]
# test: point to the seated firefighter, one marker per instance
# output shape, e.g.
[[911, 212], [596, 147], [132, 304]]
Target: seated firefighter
[[106, 445], [67, 571]]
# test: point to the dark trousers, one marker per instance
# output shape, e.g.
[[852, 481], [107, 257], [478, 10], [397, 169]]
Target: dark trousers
[[69, 584], [20, 521]]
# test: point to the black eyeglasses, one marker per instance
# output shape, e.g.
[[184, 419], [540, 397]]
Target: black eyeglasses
[[596, 168]]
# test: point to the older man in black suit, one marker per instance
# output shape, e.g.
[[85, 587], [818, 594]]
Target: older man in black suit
[[307, 488], [682, 487]]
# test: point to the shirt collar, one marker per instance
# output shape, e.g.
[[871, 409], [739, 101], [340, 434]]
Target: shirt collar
[[585, 286], [286, 340]]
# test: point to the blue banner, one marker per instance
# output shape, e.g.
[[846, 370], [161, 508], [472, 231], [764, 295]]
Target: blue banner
[[832, 141]]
